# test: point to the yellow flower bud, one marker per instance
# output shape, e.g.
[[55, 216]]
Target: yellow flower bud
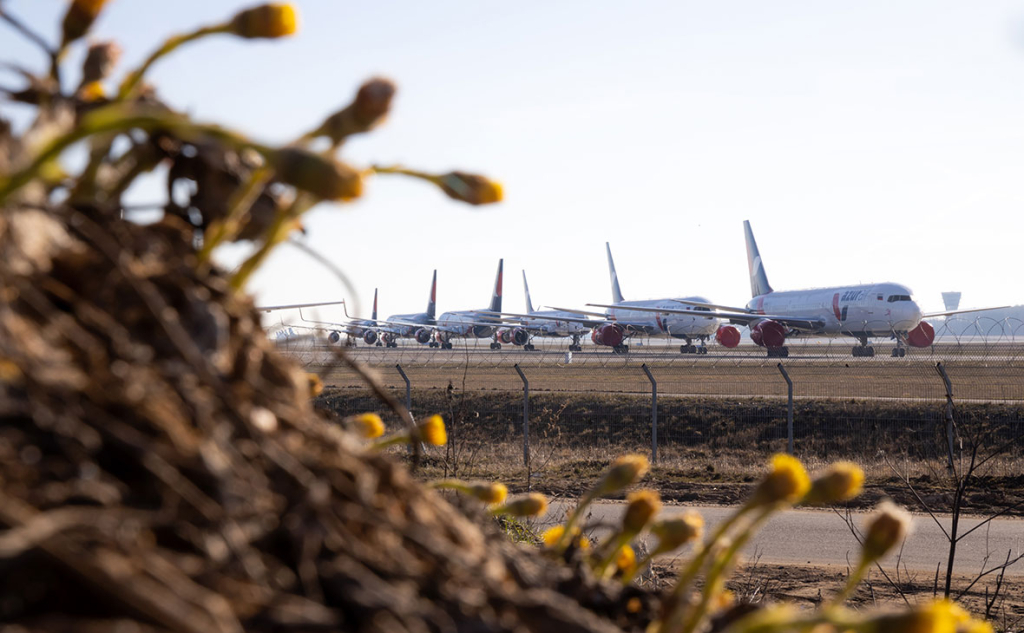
[[470, 188], [322, 177], [91, 92], [553, 535], [937, 616], [432, 431], [625, 559], [532, 505], [886, 529], [624, 471], [368, 425], [79, 18], [786, 482], [678, 531], [842, 481], [643, 505], [488, 492], [316, 386], [266, 21]]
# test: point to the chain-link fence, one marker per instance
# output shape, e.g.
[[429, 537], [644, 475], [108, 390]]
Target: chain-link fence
[[721, 413]]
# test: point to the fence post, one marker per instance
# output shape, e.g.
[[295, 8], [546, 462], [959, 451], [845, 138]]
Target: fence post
[[789, 413], [654, 413], [408, 388], [526, 420], [949, 410]]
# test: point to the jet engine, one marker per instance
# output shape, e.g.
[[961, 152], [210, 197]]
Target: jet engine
[[921, 336], [513, 336], [422, 336], [369, 337], [610, 334], [768, 333], [727, 336], [334, 337]]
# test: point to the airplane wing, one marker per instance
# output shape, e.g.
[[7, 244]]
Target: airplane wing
[[331, 323], [577, 311], [742, 318], [931, 315], [298, 305], [710, 306], [581, 320]]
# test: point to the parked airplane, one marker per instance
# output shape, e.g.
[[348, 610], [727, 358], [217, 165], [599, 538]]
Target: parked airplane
[[653, 317], [471, 323], [862, 311], [543, 323], [354, 328], [417, 326]]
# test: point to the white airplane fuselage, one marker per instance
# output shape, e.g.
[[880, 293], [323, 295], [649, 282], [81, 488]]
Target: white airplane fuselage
[[666, 325], [407, 331], [465, 324], [550, 326], [869, 310]]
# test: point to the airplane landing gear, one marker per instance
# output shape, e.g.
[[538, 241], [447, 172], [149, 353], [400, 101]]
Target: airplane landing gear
[[899, 351], [528, 347], [864, 350], [620, 349], [778, 352], [495, 345], [575, 345]]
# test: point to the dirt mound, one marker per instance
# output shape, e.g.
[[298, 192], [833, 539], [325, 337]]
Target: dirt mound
[[161, 464]]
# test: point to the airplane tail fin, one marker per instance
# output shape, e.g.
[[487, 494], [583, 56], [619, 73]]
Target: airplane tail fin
[[496, 297], [616, 292], [526, 288], [374, 315], [758, 279], [432, 304]]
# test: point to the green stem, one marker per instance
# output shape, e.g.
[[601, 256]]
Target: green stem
[[851, 584], [574, 517], [401, 438], [686, 578], [132, 80]]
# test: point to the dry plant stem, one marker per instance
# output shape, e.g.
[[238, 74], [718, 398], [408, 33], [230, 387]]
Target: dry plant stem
[[133, 78], [329, 265], [385, 396], [395, 169], [238, 206], [723, 562], [119, 119], [851, 584], [699, 556]]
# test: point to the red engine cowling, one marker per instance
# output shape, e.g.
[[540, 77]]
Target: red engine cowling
[[334, 337], [609, 334], [422, 336], [727, 336], [520, 336], [921, 336], [388, 337], [768, 333], [370, 337]]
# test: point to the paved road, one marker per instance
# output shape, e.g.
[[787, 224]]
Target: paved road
[[822, 538]]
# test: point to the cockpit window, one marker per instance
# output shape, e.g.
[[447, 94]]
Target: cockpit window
[[895, 298]]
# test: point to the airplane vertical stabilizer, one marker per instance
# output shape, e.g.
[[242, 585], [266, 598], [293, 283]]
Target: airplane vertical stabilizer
[[496, 297], [616, 292], [432, 304], [374, 315], [758, 279], [526, 288]]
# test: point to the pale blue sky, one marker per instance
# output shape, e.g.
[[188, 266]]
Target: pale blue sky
[[870, 141]]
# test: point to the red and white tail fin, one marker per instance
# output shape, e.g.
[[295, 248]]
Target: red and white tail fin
[[496, 297], [432, 304], [758, 279]]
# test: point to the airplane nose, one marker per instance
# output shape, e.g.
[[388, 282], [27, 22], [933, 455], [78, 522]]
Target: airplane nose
[[914, 312]]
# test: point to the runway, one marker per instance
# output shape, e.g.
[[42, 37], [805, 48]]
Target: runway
[[820, 537]]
